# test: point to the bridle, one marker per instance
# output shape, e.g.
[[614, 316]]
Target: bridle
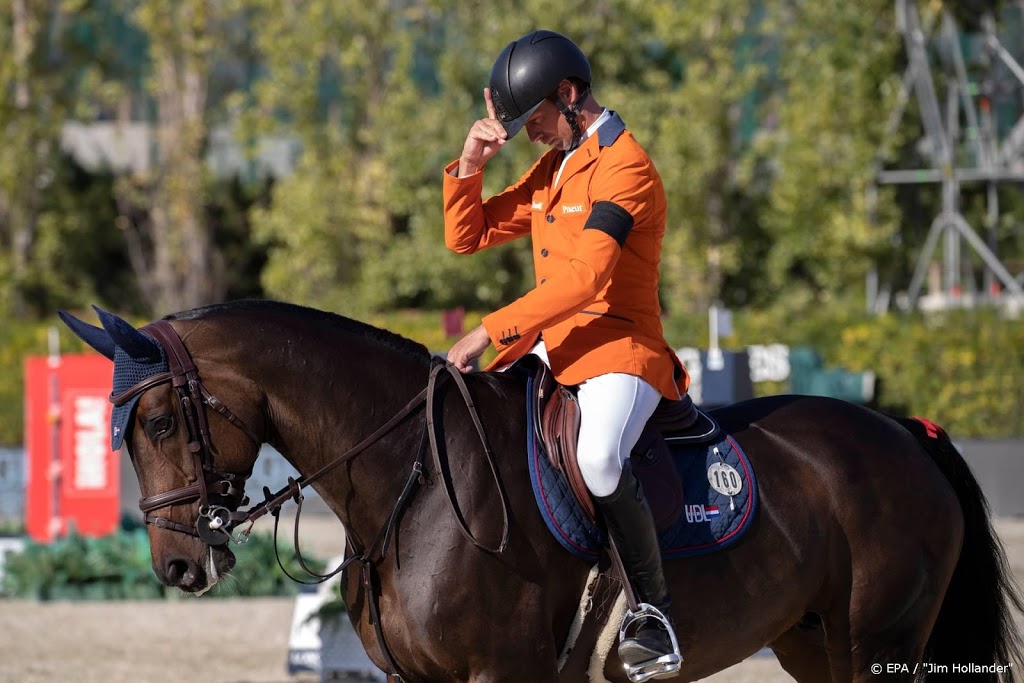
[[219, 493]]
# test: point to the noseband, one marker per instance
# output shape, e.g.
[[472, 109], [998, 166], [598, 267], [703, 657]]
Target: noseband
[[219, 493]]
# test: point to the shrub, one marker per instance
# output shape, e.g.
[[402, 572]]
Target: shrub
[[962, 369], [118, 567]]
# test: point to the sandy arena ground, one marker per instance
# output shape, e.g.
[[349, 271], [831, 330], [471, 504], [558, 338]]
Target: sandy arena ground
[[220, 641]]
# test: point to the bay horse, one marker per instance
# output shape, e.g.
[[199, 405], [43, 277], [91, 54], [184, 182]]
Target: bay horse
[[872, 548]]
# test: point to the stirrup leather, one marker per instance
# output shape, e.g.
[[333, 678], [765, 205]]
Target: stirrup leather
[[660, 667]]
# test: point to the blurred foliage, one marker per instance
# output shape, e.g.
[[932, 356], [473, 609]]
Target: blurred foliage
[[357, 227], [36, 97], [257, 572], [20, 339], [962, 369], [819, 234], [765, 120], [742, 107], [82, 568], [118, 567]]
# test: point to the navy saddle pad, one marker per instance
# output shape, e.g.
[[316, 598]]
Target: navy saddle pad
[[719, 498]]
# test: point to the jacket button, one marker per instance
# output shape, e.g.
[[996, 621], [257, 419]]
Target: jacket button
[[543, 252], [550, 218]]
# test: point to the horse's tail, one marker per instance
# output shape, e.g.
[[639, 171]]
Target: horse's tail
[[975, 625]]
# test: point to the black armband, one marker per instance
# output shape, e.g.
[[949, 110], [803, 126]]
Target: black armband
[[612, 219]]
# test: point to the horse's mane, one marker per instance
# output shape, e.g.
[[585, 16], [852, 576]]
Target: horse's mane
[[384, 338]]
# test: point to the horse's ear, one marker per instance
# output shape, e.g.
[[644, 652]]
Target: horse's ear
[[96, 337], [137, 345]]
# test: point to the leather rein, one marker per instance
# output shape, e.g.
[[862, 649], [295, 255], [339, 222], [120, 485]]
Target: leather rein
[[220, 494]]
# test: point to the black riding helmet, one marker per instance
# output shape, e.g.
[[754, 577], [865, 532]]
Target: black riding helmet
[[528, 71]]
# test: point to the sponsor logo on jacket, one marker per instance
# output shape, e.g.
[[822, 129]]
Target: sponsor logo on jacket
[[572, 208]]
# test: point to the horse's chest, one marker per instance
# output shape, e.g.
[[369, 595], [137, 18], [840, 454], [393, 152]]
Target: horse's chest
[[423, 627]]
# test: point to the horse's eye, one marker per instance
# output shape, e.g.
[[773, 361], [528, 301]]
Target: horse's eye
[[159, 426]]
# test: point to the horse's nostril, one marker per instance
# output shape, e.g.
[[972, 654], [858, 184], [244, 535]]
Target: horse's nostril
[[176, 571]]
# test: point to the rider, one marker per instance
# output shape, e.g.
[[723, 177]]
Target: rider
[[595, 207]]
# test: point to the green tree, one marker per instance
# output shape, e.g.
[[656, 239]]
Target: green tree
[[686, 104], [357, 226], [55, 241], [837, 71], [325, 64], [33, 105], [170, 244]]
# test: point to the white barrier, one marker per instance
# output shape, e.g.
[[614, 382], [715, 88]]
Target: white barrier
[[328, 646]]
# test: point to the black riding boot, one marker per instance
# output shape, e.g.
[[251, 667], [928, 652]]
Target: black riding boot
[[631, 526]]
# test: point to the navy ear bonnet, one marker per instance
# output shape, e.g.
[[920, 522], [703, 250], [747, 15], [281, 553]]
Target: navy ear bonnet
[[137, 356], [128, 372]]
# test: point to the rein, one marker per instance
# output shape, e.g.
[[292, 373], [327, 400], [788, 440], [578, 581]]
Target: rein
[[368, 574], [218, 518], [273, 502]]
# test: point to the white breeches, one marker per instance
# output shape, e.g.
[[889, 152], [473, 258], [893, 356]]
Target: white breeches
[[613, 411]]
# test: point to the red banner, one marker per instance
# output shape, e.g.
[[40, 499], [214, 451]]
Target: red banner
[[73, 476]]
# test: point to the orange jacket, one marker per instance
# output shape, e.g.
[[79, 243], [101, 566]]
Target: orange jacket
[[596, 250]]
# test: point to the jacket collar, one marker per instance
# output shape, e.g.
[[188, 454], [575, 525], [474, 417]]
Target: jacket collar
[[610, 130], [587, 152]]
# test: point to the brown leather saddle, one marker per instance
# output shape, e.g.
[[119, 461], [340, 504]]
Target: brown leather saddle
[[557, 421]]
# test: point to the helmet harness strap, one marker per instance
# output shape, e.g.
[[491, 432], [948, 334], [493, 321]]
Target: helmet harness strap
[[570, 115]]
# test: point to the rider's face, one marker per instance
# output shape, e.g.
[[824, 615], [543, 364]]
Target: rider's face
[[543, 125], [547, 125]]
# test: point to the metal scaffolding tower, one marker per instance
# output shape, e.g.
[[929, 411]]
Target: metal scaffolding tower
[[961, 139]]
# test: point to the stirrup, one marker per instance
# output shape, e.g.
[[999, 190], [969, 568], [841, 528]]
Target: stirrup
[[660, 667]]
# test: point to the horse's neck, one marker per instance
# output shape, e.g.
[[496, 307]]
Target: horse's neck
[[364, 492], [335, 409]]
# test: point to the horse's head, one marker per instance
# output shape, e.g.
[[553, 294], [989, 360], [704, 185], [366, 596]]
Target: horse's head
[[191, 463]]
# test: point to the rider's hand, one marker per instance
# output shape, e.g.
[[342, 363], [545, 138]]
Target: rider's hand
[[469, 348], [485, 138]]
